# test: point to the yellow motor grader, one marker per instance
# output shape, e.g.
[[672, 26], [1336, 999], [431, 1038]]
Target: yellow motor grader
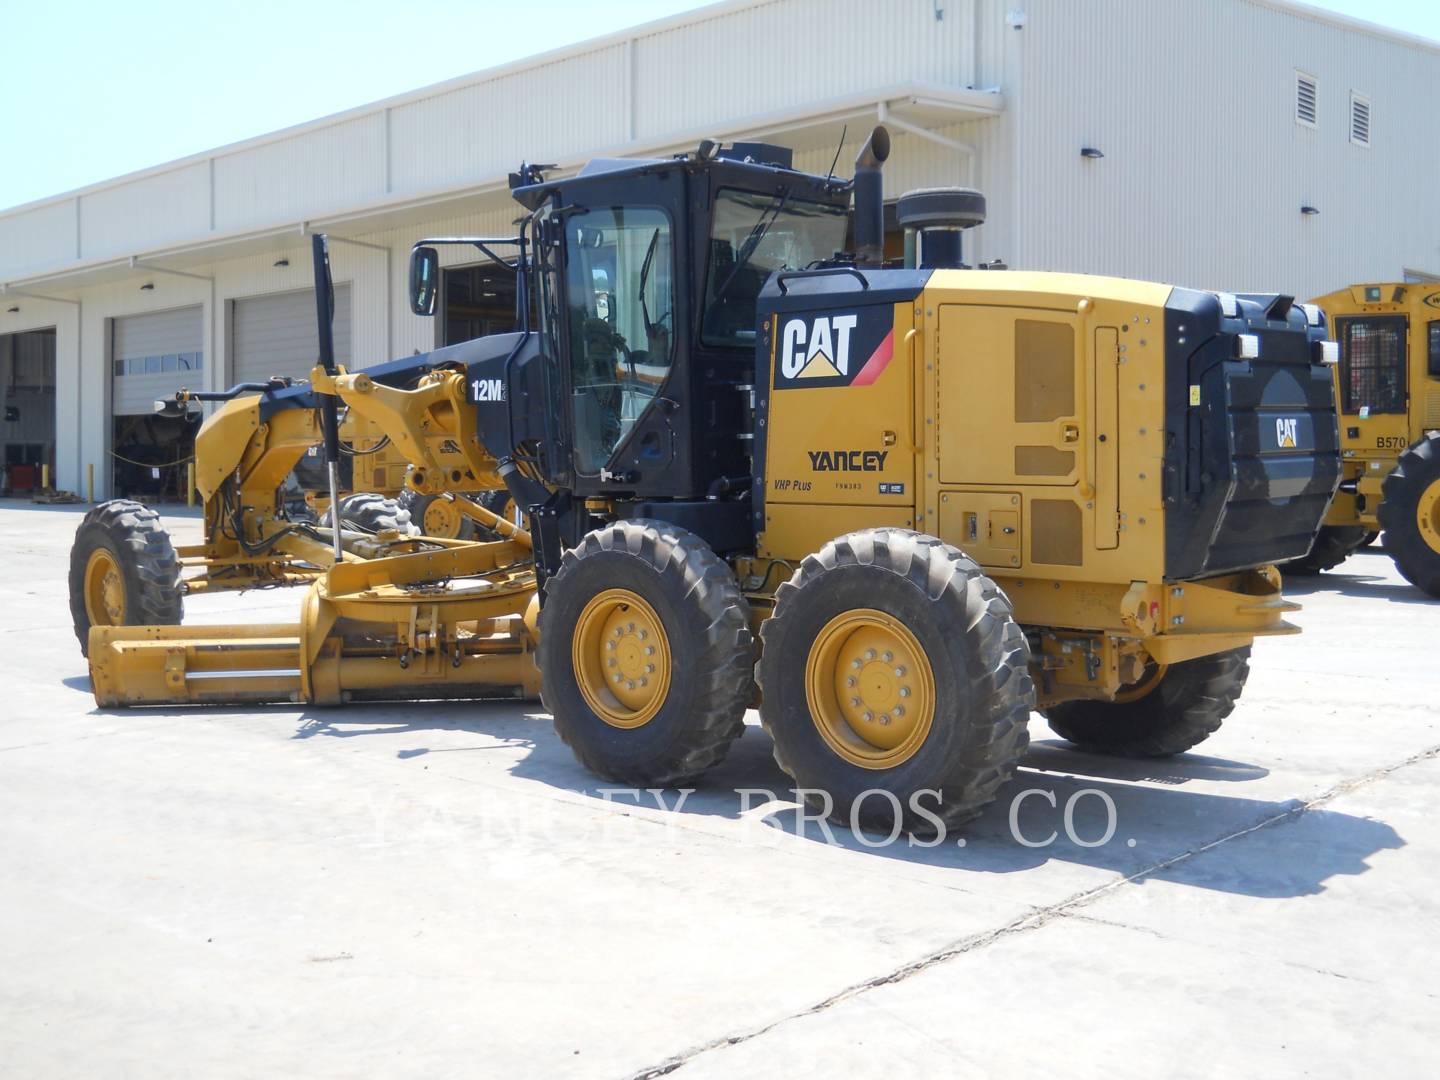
[[1388, 393], [927, 499]]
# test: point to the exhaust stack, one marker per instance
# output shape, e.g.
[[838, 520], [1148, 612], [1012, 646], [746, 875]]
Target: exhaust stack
[[869, 199]]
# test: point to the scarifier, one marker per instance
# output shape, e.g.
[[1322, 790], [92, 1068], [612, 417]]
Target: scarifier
[[927, 498]]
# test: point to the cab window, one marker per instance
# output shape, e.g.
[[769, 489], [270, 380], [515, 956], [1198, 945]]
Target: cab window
[[1434, 355], [752, 236], [620, 321], [1372, 364]]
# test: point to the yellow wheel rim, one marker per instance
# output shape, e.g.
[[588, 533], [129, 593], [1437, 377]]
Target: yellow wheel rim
[[621, 658], [1149, 679], [1427, 515], [870, 689], [441, 519], [104, 590]]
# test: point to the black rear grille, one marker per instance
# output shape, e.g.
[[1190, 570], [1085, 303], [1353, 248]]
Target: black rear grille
[[1250, 470]]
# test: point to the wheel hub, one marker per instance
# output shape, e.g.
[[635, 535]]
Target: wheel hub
[[441, 519], [622, 658], [104, 590], [870, 687], [1427, 515]]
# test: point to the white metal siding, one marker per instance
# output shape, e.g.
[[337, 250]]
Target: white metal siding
[[38, 238], [776, 56], [1205, 169], [275, 335], [332, 167], [155, 340], [171, 207], [550, 113]]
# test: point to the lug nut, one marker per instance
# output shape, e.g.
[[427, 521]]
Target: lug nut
[[643, 634], [650, 669], [855, 664], [885, 719], [854, 702], [630, 685], [869, 716], [889, 656], [610, 662], [631, 627], [644, 681], [899, 711], [904, 691], [899, 672], [649, 650], [851, 681], [869, 654], [610, 646], [618, 677]]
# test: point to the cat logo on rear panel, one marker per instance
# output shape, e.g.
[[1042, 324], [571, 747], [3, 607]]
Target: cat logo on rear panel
[[844, 348], [1286, 431]]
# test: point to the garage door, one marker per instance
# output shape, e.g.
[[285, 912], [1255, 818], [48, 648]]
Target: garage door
[[154, 355], [275, 335]]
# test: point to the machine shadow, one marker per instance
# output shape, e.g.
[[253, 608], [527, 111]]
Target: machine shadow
[[1023, 829], [1356, 577]]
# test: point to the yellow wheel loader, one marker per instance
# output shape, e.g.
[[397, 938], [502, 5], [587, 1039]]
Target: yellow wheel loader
[[1388, 392], [896, 507]]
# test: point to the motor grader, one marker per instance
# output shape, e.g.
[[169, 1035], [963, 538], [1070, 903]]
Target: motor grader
[[1388, 393], [927, 499]]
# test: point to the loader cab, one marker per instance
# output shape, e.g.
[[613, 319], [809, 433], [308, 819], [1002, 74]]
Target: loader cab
[[647, 274]]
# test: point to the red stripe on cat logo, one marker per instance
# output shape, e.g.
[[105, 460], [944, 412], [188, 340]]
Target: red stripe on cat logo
[[877, 363]]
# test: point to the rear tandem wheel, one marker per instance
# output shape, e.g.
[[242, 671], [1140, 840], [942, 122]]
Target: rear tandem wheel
[[1170, 709], [894, 672]]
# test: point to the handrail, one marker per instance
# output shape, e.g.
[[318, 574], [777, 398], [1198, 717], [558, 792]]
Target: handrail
[[829, 271]]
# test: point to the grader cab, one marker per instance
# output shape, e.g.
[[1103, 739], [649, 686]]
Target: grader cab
[[927, 499]]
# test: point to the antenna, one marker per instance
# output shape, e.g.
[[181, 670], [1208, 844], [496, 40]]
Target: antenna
[[828, 176]]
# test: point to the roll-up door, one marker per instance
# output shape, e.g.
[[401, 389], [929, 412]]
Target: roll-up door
[[275, 334], [153, 355]]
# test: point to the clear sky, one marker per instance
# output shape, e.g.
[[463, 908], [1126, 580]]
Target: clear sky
[[91, 89]]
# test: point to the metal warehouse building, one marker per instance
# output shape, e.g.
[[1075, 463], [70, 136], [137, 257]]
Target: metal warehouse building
[[1238, 144]]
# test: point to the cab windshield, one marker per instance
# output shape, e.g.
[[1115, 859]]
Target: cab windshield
[[753, 236]]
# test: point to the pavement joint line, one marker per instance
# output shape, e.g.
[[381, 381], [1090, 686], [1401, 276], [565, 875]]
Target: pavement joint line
[[1116, 924], [1036, 920]]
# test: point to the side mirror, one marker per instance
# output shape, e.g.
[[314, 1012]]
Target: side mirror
[[424, 280]]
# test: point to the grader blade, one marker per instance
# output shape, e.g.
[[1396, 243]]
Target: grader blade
[[165, 665], [258, 664]]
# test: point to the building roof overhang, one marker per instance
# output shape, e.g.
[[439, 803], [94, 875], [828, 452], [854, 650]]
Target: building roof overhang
[[804, 127]]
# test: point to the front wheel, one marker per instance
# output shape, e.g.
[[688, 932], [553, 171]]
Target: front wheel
[[895, 682], [1170, 709], [645, 654], [123, 571], [1410, 515], [374, 513]]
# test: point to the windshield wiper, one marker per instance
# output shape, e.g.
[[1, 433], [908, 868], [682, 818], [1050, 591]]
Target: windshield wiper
[[747, 249], [644, 280]]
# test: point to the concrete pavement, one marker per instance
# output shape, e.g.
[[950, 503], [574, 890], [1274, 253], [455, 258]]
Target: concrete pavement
[[440, 890]]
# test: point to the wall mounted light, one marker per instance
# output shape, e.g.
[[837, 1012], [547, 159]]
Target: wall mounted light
[[149, 286], [1309, 211], [282, 262], [1091, 152], [14, 310]]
